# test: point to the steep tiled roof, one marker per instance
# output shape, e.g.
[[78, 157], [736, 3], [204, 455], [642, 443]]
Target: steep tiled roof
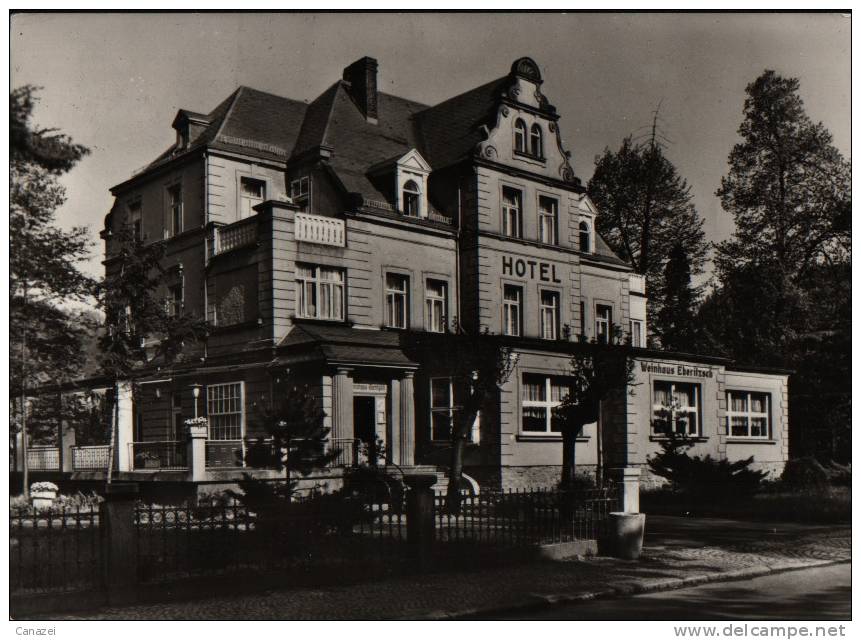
[[450, 131], [341, 344]]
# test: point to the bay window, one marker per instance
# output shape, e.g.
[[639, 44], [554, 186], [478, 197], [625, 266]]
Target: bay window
[[748, 414], [397, 314], [541, 394], [320, 292], [676, 408]]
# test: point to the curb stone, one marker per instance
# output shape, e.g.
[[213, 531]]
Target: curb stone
[[538, 601]]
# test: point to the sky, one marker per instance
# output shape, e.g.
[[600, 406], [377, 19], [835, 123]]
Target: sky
[[115, 81]]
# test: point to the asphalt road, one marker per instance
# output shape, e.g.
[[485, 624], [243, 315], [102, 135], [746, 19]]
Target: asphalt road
[[820, 593]]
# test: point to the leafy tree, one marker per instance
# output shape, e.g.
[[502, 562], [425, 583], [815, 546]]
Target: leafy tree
[[646, 209], [787, 187], [597, 371], [44, 260], [478, 364], [141, 331], [677, 316]]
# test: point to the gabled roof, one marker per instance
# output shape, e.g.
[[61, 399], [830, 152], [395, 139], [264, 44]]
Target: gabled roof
[[339, 344], [450, 131]]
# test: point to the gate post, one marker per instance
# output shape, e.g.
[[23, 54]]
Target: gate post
[[420, 516], [119, 542], [197, 435]]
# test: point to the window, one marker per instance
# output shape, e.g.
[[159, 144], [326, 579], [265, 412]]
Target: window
[[584, 237], [676, 408], [177, 421], [536, 146], [443, 408], [548, 209], [320, 292], [251, 193], [512, 298], [226, 410], [436, 301], [540, 395], [410, 199], [174, 198], [636, 333], [135, 220], [397, 286], [512, 208], [519, 136], [300, 193], [549, 315], [173, 303], [748, 414], [603, 322]]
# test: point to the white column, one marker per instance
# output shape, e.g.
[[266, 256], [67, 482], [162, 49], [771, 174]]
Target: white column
[[628, 481], [67, 441], [125, 427], [342, 404], [407, 422], [197, 452]]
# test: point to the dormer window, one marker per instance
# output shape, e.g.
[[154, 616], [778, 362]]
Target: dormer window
[[251, 193], [584, 237], [519, 136], [536, 147], [411, 199]]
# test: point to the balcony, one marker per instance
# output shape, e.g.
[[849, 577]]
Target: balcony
[[43, 458], [637, 283], [170, 455], [320, 230], [234, 236], [91, 458]]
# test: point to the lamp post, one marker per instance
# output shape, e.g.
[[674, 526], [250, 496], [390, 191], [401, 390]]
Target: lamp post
[[195, 391]]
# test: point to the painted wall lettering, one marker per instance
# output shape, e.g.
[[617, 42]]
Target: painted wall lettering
[[676, 370], [521, 268]]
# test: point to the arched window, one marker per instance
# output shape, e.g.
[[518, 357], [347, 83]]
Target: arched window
[[520, 136], [535, 144], [410, 202], [584, 237]]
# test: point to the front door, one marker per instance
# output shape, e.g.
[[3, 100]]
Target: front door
[[364, 428]]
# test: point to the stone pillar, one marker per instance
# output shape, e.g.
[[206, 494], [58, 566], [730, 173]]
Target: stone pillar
[[197, 452], [125, 427], [408, 421], [19, 452], [342, 404], [420, 516], [119, 542], [394, 427], [627, 480], [67, 441]]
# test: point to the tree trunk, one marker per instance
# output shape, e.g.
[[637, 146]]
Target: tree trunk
[[115, 416], [455, 470], [569, 442]]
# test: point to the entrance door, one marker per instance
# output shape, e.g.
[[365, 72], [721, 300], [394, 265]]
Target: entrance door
[[364, 428]]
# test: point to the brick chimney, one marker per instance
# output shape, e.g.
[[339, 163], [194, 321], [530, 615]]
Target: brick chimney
[[362, 76]]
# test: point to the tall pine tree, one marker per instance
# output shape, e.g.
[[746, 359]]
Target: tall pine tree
[[677, 317]]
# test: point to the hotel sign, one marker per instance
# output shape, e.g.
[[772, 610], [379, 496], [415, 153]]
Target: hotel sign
[[543, 271], [676, 370]]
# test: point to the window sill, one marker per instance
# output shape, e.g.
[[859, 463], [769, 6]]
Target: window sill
[[654, 438], [537, 437], [528, 156], [739, 440], [322, 321]]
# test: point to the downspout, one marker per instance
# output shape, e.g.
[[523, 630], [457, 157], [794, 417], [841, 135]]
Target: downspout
[[457, 257], [206, 248]]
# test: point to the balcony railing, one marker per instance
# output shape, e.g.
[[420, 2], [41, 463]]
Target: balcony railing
[[320, 230], [637, 283], [233, 236], [91, 458], [224, 453], [348, 452], [43, 459], [161, 454]]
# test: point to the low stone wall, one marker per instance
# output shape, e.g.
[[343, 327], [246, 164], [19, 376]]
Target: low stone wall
[[538, 476]]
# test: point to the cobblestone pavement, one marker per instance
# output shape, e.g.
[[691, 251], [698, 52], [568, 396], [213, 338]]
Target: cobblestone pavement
[[667, 562]]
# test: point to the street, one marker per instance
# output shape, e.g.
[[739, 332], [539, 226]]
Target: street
[[820, 593]]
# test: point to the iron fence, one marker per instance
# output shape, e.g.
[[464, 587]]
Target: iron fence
[[326, 534], [519, 518], [54, 551]]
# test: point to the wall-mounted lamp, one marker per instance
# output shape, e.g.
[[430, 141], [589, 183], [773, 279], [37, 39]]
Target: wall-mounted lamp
[[195, 391]]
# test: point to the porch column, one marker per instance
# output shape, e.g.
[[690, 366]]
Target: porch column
[[67, 441], [408, 420], [342, 404], [197, 452], [19, 452], [125, 427]]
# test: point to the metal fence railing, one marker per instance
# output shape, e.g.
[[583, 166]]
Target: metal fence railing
[[160, 454], [43, 458], [93, 458], [348, 451], [54, 551], [526, 517]]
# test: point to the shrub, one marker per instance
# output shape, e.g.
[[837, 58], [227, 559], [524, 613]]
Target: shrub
[[840, 475], [804, 474], [703, 477]]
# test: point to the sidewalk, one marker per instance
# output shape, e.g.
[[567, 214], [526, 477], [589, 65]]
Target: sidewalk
[[674, 557]]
